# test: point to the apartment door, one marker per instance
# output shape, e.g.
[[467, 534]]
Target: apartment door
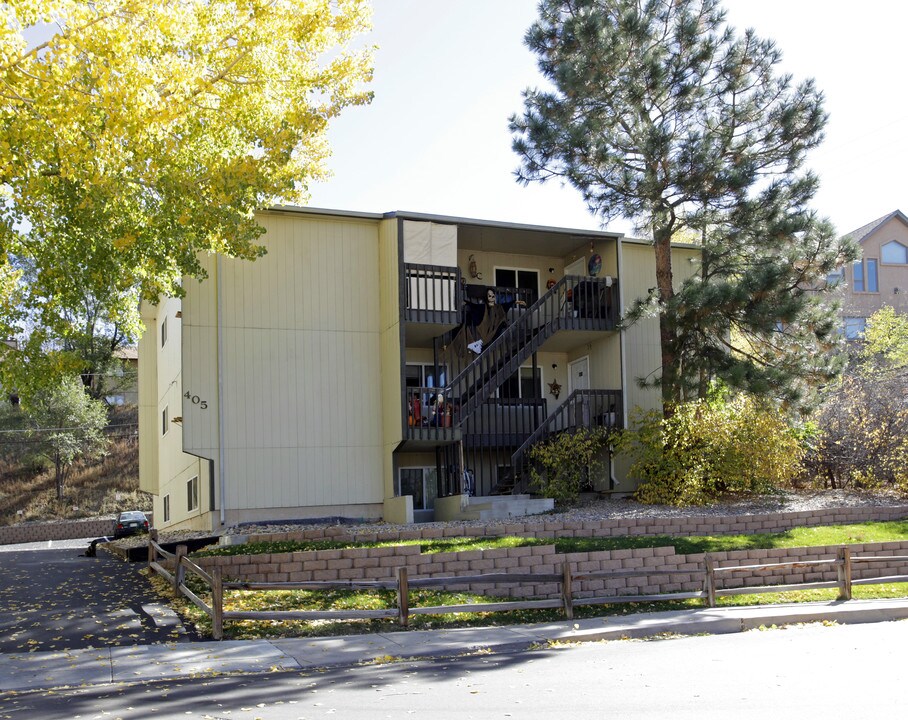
[[579, 374], [579, 379]]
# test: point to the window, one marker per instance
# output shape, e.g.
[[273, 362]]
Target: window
[[854, 327], [894, 253], [521, 279], [522, 384], [167, 508], [192, 494], [865, 276], [164, 424], [835, 278], [163, 332], [421, 483]]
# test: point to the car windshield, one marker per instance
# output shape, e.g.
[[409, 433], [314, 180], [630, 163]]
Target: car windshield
[[132, 516]]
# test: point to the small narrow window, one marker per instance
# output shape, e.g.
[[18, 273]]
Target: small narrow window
[[192, 494], [164, 422], [163, 332], [872, 281], [167, 508], [866, 276]]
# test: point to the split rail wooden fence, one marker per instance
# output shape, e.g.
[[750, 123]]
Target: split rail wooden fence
[[402, 584]]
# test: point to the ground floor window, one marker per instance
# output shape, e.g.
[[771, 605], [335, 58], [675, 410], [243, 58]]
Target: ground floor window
[[854, 327], [167, 508], [421, 483], [192, 494]]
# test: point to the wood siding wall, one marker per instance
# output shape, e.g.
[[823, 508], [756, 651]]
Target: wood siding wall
[[301, 370], [164, 468]]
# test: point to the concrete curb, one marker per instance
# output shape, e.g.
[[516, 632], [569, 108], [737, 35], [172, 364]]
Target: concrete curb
[[143, 663]]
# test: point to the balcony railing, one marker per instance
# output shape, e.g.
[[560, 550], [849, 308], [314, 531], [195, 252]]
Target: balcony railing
[[433, 293]]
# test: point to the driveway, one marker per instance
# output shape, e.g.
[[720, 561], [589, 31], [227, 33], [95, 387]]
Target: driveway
[[58, 599]]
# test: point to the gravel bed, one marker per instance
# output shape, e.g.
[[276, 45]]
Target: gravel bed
[[595, 508], [601, 508]]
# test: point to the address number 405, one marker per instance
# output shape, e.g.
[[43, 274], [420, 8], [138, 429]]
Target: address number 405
[[196, 400]]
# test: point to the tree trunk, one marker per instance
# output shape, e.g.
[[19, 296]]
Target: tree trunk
[[59, 470], [667, 334]]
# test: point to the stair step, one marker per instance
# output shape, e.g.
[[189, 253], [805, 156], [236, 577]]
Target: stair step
[[505, 506]]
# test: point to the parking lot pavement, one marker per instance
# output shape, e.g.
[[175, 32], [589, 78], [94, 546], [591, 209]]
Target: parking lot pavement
[[77, 543], [58, 599]]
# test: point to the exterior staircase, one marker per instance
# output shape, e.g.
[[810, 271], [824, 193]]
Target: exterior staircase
[[573, 303], [582, 409]]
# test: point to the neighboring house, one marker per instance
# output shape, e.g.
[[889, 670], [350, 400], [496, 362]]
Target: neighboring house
[[123, 386], [387, 366], [880, 277]]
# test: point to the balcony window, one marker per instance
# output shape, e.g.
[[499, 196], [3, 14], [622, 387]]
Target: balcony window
[[522, 384]]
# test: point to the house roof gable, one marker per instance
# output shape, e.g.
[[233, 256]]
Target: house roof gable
[[865, 231]]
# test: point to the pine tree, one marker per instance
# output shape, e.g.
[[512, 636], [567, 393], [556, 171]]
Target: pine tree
[[661, 112]]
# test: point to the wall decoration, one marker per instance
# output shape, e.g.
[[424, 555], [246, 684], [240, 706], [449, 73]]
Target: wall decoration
[[474, 273], [554, 389], [595, 265]]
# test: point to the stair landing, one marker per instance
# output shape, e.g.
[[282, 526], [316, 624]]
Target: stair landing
[[502, 507]]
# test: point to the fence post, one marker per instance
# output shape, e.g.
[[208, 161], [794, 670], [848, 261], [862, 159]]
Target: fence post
[[403, 597], [217, 603], [710, 580], [843, 566], [152, 550], [567, 590], [179, 572]]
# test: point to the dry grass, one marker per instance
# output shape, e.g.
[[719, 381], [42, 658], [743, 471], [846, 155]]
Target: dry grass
[[102, 487]]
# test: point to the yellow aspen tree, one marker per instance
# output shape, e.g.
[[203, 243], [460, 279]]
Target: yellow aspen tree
[[136, 135]]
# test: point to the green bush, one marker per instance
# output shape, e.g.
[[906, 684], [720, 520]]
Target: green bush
[[561, 466], [709, 448]]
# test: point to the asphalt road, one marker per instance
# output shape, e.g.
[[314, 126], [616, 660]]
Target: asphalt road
[[801, 672], [59, 599]]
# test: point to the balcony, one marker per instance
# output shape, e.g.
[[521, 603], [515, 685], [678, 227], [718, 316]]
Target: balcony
[[432, 294]]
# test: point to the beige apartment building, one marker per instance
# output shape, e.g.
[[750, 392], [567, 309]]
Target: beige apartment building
[[394, 366], [880, 277]]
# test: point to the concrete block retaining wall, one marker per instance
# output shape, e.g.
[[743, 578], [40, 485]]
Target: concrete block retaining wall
[[59, 530], [380, 564], [63, 530]]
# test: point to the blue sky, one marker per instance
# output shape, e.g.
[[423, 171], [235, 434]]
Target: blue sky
[[450, 72]]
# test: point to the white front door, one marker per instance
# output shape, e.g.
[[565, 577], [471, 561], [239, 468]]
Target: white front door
[[579, 374]]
